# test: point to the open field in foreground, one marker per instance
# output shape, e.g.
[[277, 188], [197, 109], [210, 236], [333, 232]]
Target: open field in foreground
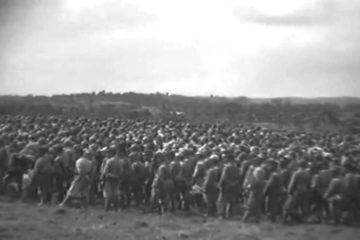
[[28, 221]]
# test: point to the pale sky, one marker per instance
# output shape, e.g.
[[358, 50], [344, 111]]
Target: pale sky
[[255, 48]]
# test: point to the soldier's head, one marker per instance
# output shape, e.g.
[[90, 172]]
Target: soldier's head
[[335, 171], [350, 167], [302, 164], [313, 167], [135, 156], [214, 158], [78, 150], [178, 156], [58, 148], [270, 165], [227, 158], [135, 147], [43, 150], [255, 162], [104, 151], [121, 148], [88, 154], [148, 155], [111, 151], [42, 141]]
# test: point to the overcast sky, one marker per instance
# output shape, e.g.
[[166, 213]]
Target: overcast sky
[[255, 48]]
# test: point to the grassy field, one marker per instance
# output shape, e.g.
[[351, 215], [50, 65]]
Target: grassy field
[[28, 221]]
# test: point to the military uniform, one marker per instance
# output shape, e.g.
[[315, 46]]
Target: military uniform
[[17, 167], [110, 175], [60, 177], [185, 183], [297, 203], [254, 184], [163, 189], [273, 192], [199, 173], [43, 178], [4, 161], [211, 190], [175, 171], [320, 183], [334, 194], [80, 186], [126, 182], [69, 160], [138, 181], [229, 189]]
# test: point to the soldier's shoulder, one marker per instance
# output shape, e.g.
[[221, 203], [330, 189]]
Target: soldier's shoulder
[[324, 171], [298, 172], [112, 159], [200, 163], [336, 180], [39, 160], [227, 165], [258, 169], [81, 159], [162, 166], [67, 150], [123, 159]]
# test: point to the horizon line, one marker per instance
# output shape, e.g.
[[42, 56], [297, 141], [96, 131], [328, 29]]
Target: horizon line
[[174, 94]]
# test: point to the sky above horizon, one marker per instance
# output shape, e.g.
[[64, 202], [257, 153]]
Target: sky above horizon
[[254, 48]]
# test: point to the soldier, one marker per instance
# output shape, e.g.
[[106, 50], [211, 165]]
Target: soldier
[[163, 188], [125, 181], [151, 167], [334, 194], [69, 157], [43, 176], [273, 193], [110, 176], [18, 165], [185, 183], [139, 175], [228, 185], [350, 194], [60, 172], [4, 161], [244, 167], [31, 151], [211, 190], [254, 184], [175, 172], [94, 176], [80, 186], [285, 171], [297, 203], [319, 185], [199, 173]]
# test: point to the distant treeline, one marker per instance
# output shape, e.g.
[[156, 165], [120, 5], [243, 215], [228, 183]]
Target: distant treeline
[[282, 112]]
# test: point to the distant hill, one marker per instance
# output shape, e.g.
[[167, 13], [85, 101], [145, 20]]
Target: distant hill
[[331, 113], [341, 101], [132, 97]]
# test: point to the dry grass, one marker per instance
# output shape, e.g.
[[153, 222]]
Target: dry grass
[[27, 221]]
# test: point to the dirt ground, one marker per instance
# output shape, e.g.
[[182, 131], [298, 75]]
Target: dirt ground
[[28, 221]]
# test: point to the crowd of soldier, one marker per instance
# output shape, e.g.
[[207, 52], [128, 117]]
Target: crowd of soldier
[[222, 169]]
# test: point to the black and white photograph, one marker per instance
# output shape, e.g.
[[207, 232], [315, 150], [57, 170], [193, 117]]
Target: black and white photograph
[[179, 119]]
